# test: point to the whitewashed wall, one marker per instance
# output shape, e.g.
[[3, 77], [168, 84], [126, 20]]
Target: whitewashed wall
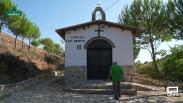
[[122, 53]]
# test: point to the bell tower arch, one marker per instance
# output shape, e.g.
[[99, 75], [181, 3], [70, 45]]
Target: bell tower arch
[[101, 12]]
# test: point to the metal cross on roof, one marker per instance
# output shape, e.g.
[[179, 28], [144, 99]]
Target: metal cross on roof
[[99, 30]]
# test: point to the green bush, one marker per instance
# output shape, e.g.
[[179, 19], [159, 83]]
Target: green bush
[[52, 59], [49, 59], [170, 67], [146, 69], [173, 64]]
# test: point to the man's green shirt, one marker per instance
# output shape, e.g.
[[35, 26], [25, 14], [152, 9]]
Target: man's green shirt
[[117, 72]]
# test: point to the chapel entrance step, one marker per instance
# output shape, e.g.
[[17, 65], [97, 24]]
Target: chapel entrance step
[[130, 92], [109, 86], [102, 87]]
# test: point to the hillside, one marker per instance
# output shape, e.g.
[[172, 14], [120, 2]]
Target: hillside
[[17, 64]]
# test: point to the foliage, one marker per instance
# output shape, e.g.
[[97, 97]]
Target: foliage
[[33, 32], [5, 5], [175, 12], [49, 59], [173, 64], [162, 53], [19, 25], [53, 59], [48, 44], [3, 68], [146, 69], [58, 50], [170, 67], [51, 47], [16, 26], [151, 16], [35, 43]]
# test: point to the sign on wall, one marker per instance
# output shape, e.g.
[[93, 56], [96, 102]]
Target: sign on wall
[[76, 39]]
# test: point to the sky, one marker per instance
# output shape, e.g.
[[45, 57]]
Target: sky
[[53, 14]]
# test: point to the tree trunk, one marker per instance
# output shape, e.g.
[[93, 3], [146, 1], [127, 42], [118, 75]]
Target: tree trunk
[[22, 43], [153, 55], [0, 28], [166, 78], [15, 45], [29, 44], [155, 66], [1, 25], [0, 32], [34, 49], [136, 49]]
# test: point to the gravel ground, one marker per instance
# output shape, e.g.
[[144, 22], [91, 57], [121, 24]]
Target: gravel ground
[[50, 91]]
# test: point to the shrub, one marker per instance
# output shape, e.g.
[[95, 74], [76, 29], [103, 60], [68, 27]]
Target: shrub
[[15, 69], [173, 64], [53, 59], [146, 69], [3, 68]]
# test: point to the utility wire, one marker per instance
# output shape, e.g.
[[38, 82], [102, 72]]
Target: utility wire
[[110, 6]]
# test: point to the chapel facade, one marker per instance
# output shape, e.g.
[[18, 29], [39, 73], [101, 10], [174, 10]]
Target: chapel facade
[[91, 47]]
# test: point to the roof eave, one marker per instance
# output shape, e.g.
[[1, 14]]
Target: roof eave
[[62, 31]]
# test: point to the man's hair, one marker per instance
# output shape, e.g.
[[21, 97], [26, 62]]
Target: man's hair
[[114, 63]]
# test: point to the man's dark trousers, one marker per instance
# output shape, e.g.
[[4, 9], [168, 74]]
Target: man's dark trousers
[[117, 89]]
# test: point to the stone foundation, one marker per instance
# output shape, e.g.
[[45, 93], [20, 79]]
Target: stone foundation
[[75, 75], [127, 69]]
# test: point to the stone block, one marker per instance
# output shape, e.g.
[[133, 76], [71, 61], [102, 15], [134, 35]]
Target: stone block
[[75, 75]]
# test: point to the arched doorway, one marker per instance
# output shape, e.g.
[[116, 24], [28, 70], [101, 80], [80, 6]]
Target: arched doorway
[[99, 59]]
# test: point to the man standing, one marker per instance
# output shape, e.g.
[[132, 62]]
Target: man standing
[[116, 72]]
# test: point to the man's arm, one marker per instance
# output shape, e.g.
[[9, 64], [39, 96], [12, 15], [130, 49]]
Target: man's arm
[[110, 74]]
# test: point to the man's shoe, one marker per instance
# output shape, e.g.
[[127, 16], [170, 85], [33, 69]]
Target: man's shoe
[[116, 98]]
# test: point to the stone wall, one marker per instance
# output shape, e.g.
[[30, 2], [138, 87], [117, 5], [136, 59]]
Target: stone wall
[[8, 89], [142, 79], [75, 75]]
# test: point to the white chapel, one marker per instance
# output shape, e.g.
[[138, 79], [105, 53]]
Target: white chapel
[[91, 47]]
